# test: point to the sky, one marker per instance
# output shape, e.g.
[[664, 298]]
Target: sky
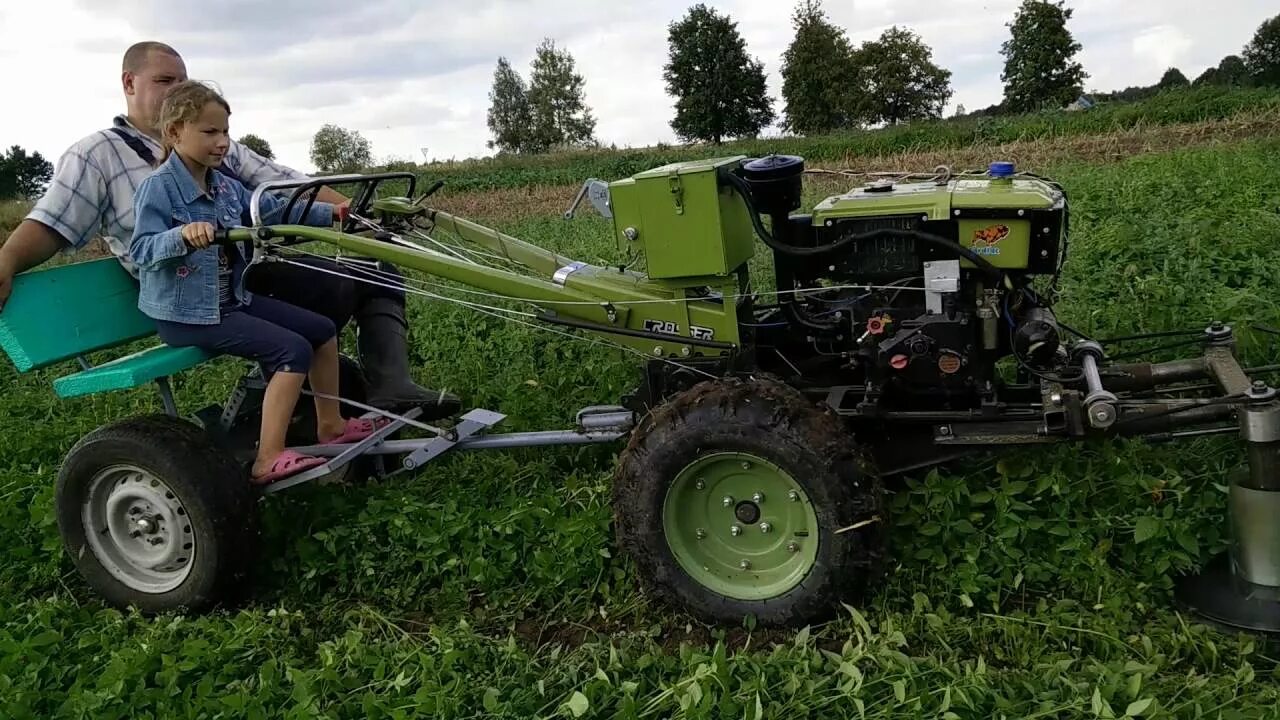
[[413, 76]]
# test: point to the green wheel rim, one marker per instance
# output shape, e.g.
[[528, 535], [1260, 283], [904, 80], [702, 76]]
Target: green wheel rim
[[740, 526]]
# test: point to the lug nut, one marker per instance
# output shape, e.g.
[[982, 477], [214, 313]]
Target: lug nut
[[792, 547], [745, 564], [728, 501], [735, 531], [765, 527], [702, 534], [758, 497], [746, 465], [699, 484], [793, 496]]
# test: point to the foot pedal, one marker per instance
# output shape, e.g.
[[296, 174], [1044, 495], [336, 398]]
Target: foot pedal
[[474, 422], [345, 457]]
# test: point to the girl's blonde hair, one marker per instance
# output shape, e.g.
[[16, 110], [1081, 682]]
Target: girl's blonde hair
[[183, 104]]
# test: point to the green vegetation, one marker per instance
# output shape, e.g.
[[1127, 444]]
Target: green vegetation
[[1168, 108], [1037, 585]]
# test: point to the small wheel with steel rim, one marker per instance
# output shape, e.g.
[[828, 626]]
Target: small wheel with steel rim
[[741, 498], [155, 515]]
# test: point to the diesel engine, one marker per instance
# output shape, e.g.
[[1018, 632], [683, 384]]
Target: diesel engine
[[910, 291]]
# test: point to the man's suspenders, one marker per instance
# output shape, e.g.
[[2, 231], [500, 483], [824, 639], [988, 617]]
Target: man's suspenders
[[149, 158]]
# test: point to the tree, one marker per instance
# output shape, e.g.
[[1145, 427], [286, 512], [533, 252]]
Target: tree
[[720, 92], [510, 119], [960, 111], [903, 83], [557, 102], [1262, 54], [1173, 78], [258, 145], [336, 149], [821, 88], [23, 176], [1230, 72], [1039, 66]]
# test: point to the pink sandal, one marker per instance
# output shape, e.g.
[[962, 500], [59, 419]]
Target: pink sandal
[[286, 464], [356, 430]]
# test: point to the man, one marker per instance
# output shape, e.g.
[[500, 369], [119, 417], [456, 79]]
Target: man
[[92, 194]]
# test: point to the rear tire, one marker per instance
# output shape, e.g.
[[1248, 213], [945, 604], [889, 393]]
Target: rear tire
[[155, 516], [755, 456]]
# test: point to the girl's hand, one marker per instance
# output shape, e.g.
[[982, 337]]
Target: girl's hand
[[198, 235], [341, 211]]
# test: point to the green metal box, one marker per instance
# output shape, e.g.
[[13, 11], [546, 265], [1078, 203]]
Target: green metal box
[[686, 220]]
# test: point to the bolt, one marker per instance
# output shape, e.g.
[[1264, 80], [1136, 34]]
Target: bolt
[[746, 465], [699, 484], [765, 527], [758, 497], [701, 533], [1044, 253], [685, 351], [957, 213], [1056, 398], [735, 531], [745, 564], [793, 547], [831, 268], [728, 501], [1047, 231], [1021, 213], [794, 496], [657, 350], [830, 223]]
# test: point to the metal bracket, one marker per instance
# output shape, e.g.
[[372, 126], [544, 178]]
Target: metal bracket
[[597, 191], [474, 422]]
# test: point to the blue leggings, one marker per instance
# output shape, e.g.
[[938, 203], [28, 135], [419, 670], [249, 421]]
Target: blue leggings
[[278, 335]]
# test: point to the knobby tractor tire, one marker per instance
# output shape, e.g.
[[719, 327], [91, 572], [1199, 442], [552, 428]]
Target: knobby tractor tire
[[788, 523], [155, 516]]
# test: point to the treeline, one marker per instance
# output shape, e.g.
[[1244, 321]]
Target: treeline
[[828, 84]]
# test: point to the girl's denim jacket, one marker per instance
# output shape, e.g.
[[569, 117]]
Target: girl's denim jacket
[[178, 283]]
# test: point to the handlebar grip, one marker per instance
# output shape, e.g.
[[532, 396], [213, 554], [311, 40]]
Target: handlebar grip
[[221, 236]]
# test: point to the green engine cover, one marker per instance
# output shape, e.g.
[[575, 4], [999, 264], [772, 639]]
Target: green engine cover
[[684, 218], [1014, 223]]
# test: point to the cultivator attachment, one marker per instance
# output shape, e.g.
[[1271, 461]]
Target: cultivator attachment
[[1240, 589]]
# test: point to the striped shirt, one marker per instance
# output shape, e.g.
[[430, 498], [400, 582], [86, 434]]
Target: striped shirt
[[92, 190]]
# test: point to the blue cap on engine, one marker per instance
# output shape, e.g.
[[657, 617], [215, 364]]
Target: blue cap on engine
[[1000, 169]]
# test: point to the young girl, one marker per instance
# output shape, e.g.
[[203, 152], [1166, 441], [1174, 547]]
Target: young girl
[[195, 290]]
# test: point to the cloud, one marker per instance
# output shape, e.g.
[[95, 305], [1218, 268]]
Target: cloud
[[416, 73]]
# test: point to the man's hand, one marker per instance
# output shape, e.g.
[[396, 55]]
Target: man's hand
[[29, 245], [198, 235]]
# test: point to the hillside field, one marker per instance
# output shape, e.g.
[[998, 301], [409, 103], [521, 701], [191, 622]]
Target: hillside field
[[1033, 584]]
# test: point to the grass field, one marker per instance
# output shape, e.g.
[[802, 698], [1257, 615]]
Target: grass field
[[1034, 585]]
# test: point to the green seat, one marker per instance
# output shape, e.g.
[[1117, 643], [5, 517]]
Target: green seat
[[130, 371], [61, 313]]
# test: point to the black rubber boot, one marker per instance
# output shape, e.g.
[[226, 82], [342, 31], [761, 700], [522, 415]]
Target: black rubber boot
[[382, 341]]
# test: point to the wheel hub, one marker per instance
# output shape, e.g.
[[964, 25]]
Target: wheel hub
[[749, 549], [747, 512], [139, 529]]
